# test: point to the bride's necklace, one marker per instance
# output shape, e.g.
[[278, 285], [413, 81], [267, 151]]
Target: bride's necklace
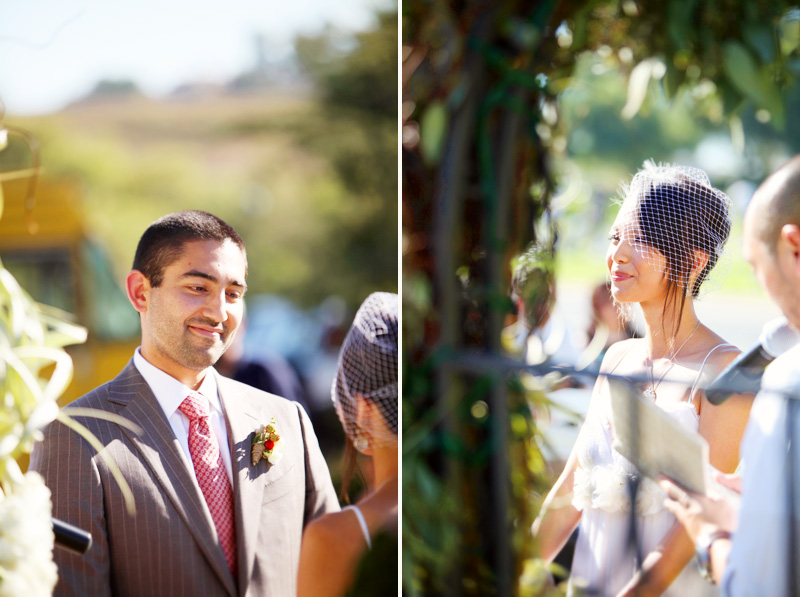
[[650, 392]]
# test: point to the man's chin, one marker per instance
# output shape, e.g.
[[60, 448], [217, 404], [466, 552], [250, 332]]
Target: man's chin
[[203, 359]]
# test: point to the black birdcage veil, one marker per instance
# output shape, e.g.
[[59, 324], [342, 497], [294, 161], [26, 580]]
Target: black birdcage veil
[[367, 371], [675, 219]]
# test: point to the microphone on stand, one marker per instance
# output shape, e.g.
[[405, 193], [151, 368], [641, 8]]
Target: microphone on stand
[[743, 375]]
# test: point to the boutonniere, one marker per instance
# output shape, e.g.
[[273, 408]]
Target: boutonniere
[[266, 444]]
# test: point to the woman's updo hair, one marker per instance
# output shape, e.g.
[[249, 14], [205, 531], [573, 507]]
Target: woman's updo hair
[[367, 372], [678, 213], [679, 218]]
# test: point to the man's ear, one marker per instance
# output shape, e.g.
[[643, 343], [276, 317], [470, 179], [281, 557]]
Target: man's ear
[[790, 235], [138, 287]]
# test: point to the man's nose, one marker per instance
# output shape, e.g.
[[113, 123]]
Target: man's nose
[[215, 307]]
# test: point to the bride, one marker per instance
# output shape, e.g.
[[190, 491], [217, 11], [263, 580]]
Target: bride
[[667, 237], [354, 551]]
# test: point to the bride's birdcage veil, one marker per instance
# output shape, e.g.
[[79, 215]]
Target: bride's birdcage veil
[[673, 212], [367, 370]]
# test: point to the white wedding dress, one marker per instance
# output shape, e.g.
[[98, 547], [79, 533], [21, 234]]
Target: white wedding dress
[[604, 560]]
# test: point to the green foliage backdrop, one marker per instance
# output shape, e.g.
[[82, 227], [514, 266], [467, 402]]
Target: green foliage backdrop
[[491, 94]]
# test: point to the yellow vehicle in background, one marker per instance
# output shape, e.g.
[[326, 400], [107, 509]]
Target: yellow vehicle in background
[[47, 248]]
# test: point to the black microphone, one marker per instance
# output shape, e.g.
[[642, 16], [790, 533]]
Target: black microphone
[[71, 537], [743, 375]]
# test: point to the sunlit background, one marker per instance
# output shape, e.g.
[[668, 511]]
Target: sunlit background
[[57, 52], [281, 118]]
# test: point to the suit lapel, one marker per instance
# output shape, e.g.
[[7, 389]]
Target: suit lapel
[[161, 451], [242, 422]]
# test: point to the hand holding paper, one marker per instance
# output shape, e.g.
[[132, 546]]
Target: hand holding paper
[[700, 513]]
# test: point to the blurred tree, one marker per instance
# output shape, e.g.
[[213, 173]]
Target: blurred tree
[[357, 79], [481, 135], [355, 71], [114, 89]]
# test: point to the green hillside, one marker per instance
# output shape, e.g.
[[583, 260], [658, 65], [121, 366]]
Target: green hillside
[[308, 176]]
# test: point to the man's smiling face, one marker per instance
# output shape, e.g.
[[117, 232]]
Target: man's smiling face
[[191, 318]]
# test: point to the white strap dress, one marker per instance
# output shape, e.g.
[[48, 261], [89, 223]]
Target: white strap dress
[[603, 562]]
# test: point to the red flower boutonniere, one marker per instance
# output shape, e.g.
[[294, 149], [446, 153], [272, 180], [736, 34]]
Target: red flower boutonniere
[[266, 444]]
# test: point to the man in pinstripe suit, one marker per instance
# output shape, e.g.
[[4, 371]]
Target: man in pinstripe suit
[[187, 283]]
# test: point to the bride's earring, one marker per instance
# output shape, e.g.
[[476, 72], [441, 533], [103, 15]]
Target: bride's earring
[[363, 425], [361, 443]]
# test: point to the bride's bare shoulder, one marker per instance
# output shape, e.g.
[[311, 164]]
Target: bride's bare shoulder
[[718, 353], [722, 357], [617, 351]]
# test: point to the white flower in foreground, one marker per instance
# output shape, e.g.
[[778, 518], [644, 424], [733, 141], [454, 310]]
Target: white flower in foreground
[[26, 540]]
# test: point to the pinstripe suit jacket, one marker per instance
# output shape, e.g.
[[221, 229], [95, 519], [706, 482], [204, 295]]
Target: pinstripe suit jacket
[[170, 546]]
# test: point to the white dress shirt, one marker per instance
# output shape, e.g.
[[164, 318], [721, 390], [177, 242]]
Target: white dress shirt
[[170, 393], [758, 563]]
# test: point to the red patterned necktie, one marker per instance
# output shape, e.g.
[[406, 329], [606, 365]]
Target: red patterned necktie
[[211, 474]]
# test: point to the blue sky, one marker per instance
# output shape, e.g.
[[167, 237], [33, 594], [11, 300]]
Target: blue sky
[[54, 51]]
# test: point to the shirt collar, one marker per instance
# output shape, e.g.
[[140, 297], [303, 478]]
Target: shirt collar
[[169, 391]]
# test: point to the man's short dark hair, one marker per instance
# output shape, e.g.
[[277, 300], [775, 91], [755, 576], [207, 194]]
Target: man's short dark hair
[[162, 242], [780, 203]]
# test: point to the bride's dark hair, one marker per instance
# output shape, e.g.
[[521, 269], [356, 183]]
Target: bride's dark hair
[[698, 215], [364, 391]]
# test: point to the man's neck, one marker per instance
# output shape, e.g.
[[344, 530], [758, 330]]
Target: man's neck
[[191, 378]]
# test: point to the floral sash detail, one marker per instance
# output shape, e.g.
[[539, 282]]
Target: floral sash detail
[[606, 488]]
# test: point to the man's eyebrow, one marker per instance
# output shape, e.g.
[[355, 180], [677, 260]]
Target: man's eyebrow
[[198, 274]]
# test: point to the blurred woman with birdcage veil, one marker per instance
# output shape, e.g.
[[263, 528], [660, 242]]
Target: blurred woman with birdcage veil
[[354, 551], [667, 237]]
